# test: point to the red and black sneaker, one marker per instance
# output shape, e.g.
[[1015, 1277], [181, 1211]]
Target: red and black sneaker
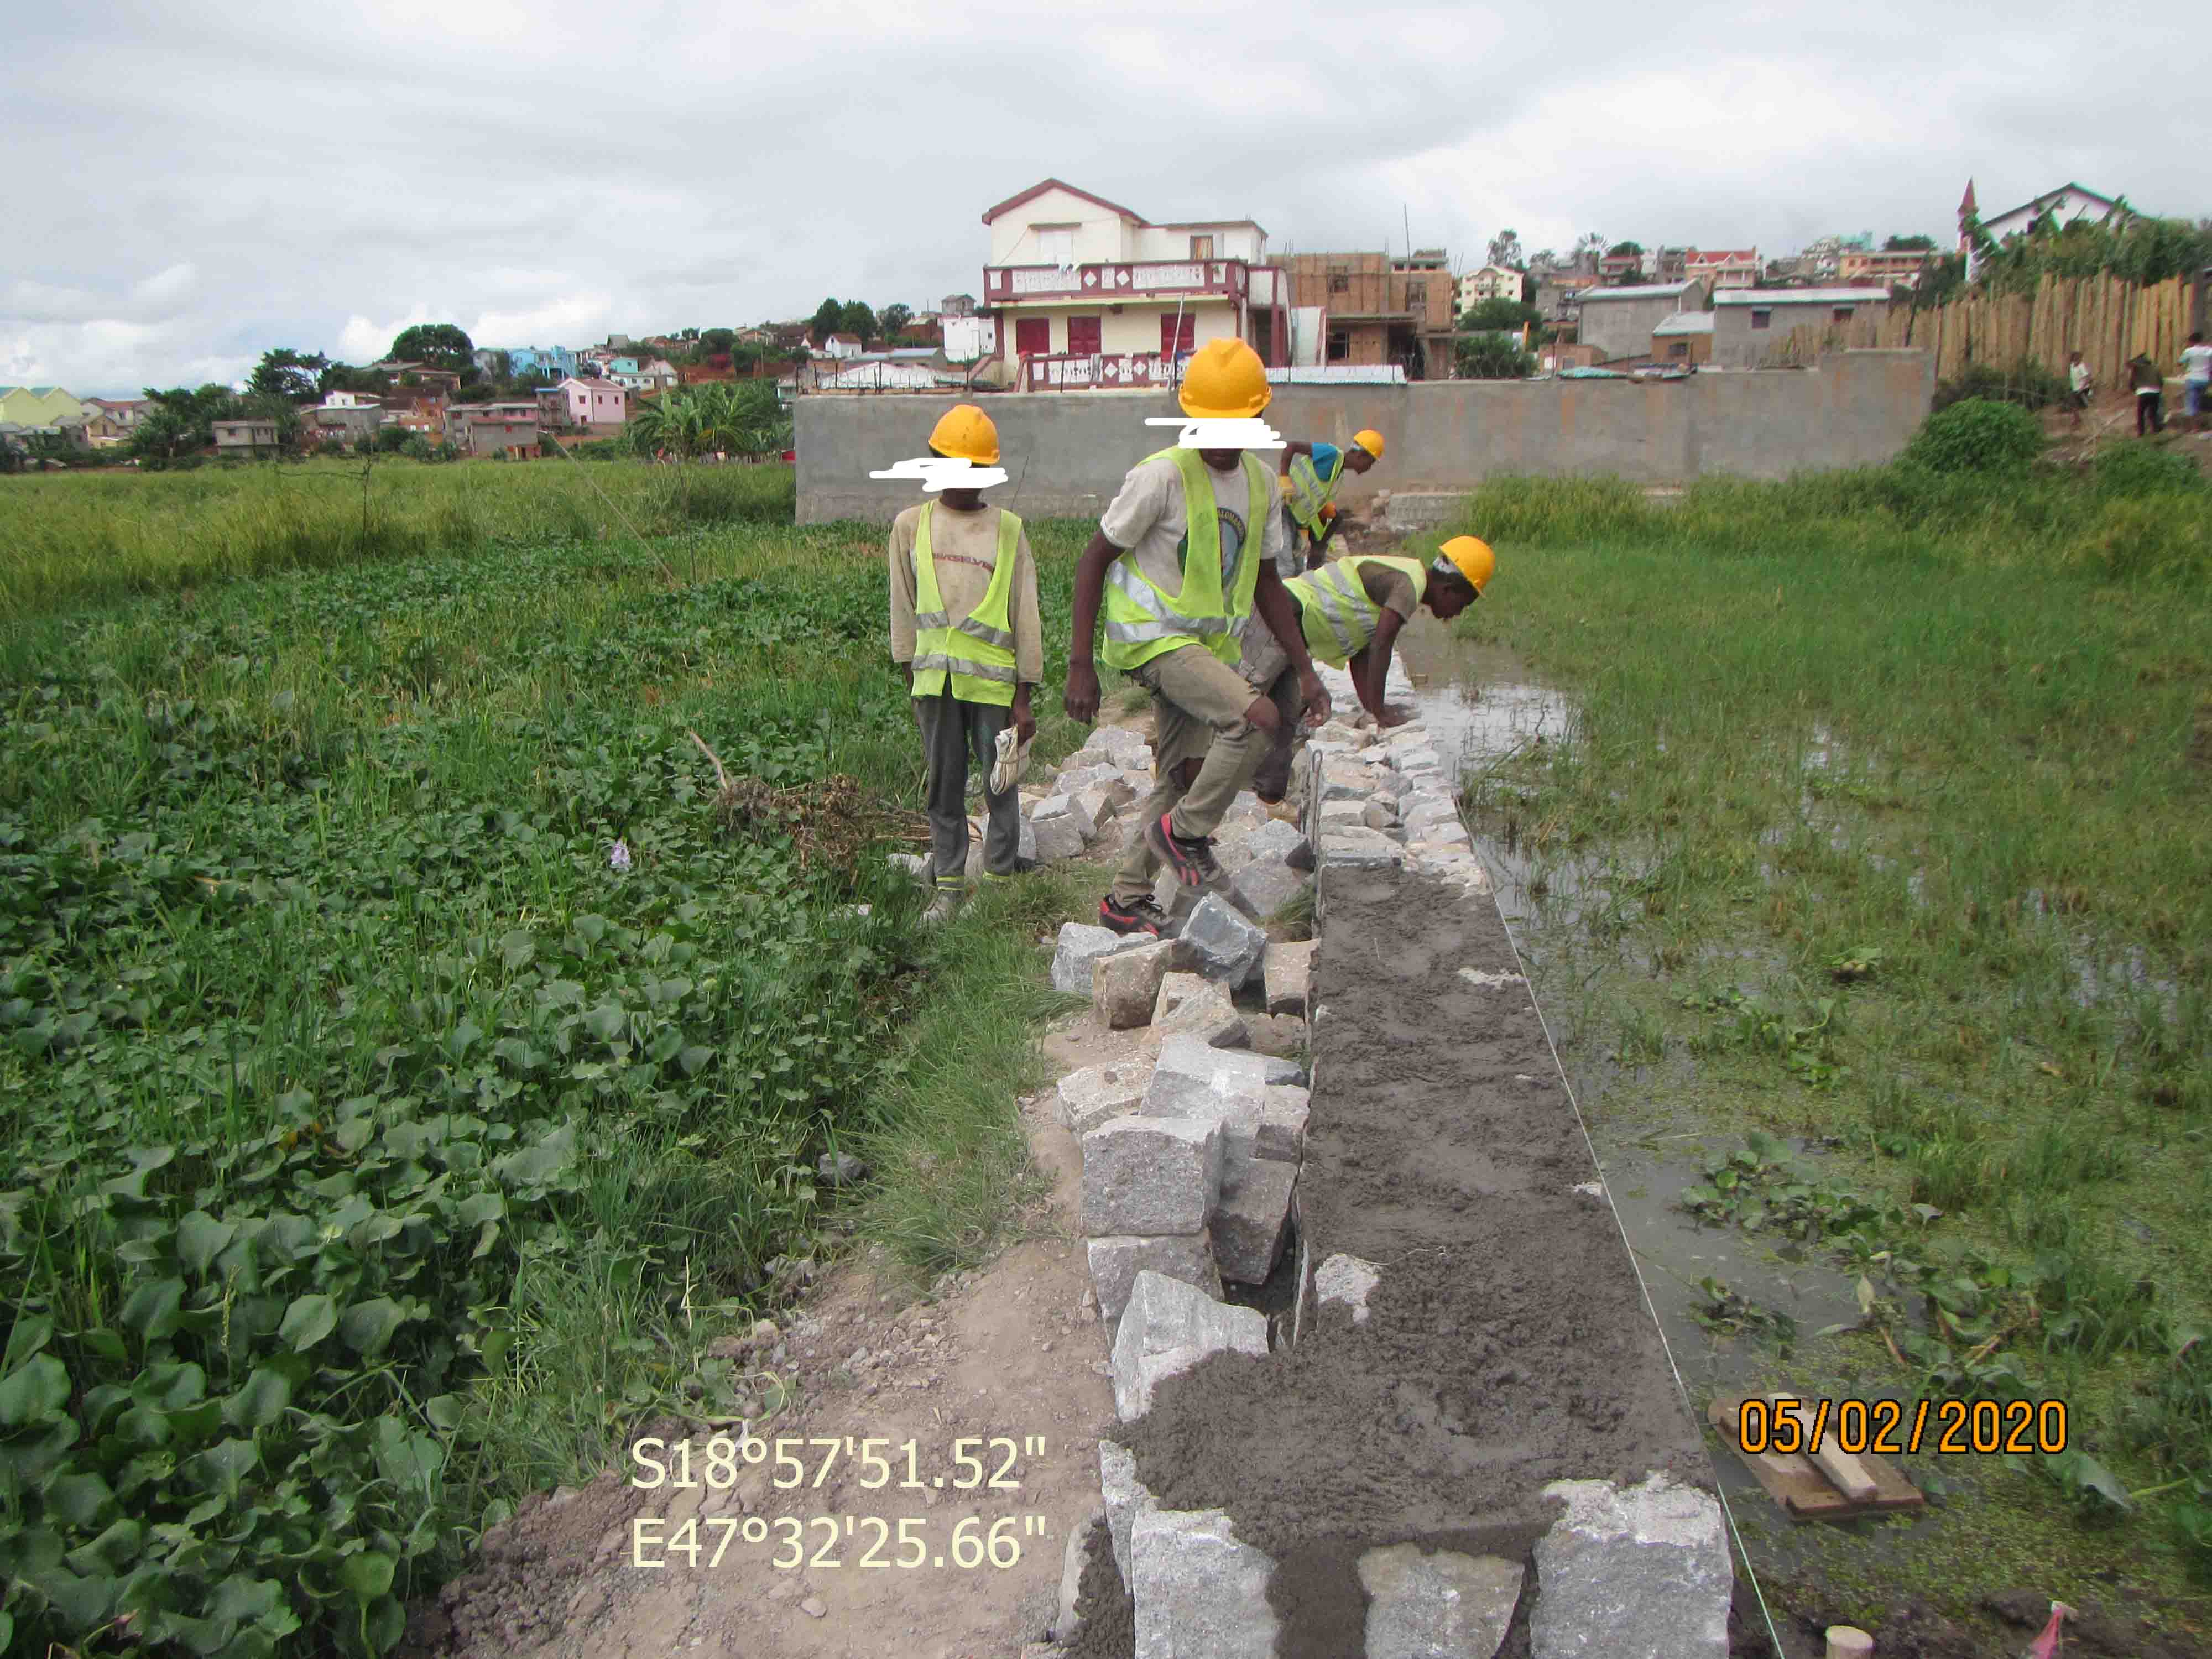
[[1141, 916], [1192, 860]]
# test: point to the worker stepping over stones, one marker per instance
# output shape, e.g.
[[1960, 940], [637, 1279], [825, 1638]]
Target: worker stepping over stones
[[1351, 611], [1311, 473], [1183, 558], [964, 630]]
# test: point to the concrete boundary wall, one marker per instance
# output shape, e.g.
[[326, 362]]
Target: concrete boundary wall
[[1065, 452]]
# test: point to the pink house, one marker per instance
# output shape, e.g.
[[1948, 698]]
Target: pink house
[[594, 402]]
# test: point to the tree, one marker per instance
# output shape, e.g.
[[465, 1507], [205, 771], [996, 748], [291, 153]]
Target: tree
[[439, 346], [828, 317], [1543, 262], [392, 438], [893, 320], [1505, 250], [1493, 357], [1619, 248], [858, 320], [502, 366], [289, 374], [1588, 249], [1907, 244], [1500, 315], [344, 377]]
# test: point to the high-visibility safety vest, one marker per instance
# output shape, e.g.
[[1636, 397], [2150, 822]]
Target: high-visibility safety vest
[[1143, 623], [1311, 492], [976, 652], [1333, 609]]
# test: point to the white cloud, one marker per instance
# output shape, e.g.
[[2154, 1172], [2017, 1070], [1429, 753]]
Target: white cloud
[[361, 341], [570, 320]]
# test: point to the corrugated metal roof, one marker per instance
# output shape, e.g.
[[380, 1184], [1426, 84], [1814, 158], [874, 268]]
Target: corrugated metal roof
[[1645, 291], [1798, 296], [1685, 322]]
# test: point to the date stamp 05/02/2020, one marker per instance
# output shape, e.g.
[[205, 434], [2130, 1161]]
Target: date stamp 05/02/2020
[[1894, 1428], [978, 1463]]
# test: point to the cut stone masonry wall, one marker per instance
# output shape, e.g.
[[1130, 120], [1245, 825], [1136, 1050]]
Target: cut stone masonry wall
[[1195, 1170]]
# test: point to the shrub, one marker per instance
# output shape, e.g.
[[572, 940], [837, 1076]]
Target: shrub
[[1976, 435], [2136, 468], [416, 447], [1493, 357], [2026, 382]]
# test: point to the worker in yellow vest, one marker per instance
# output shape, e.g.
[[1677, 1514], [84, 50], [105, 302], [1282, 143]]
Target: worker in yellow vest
[[1183, 558], [964, 630], [1311, 473], [1351, 611]]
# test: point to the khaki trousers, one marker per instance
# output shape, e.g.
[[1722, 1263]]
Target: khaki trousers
[[1198, 703]]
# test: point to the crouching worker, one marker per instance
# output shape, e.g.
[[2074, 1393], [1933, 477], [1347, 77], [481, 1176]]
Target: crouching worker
[[1183, 558], [964, 629], [1351, 611]]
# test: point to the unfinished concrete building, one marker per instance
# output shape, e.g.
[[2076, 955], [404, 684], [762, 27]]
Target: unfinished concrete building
[[1374, 309]]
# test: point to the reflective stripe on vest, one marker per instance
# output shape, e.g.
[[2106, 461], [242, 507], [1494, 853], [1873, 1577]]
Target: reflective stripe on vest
[[1143, 623], [1334, 612], [975, 654], [1309, 493]]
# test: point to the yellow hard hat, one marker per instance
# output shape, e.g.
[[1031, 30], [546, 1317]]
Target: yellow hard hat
[[965, 432], [1473, 559], [1370, 441], [1225, 381]]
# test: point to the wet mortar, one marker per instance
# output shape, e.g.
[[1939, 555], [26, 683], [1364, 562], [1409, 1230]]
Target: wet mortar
[[1508, 1345]]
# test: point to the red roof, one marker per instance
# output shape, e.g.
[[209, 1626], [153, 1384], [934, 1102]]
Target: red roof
[[1035, 190], [1709, 256]]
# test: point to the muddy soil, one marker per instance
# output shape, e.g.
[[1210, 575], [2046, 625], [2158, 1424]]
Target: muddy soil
[[1509, 1344]]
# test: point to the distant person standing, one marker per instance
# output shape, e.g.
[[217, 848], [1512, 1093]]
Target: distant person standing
[[2079, 385], [2150, 393], [2196, 379]]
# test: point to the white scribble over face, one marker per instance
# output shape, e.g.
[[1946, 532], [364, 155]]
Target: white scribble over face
[[945, 472], [1254, 433]]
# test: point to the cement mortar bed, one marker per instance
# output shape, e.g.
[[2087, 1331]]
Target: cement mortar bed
[[1508, 1345]]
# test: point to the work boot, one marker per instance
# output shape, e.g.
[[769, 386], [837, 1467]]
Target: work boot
[[1192, 860], [1281, 811], [1139, 916], [941, 908]]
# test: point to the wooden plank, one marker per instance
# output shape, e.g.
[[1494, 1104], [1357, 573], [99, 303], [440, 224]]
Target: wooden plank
[[1845, 1472], [1799, 1488]]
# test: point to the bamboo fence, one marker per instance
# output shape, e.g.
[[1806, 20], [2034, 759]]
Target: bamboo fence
[[2107, 320]]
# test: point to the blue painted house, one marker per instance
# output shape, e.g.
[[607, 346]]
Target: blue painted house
[[558, 362]]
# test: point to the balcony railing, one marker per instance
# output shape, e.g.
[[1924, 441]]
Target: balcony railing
[[1128, 371], [1137, 279]]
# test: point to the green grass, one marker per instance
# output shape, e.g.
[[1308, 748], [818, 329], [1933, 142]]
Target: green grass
[[68, 536], [375, 1150], [1883, 822]]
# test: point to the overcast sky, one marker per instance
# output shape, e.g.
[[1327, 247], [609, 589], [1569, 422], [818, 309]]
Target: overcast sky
[[189, 185]]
